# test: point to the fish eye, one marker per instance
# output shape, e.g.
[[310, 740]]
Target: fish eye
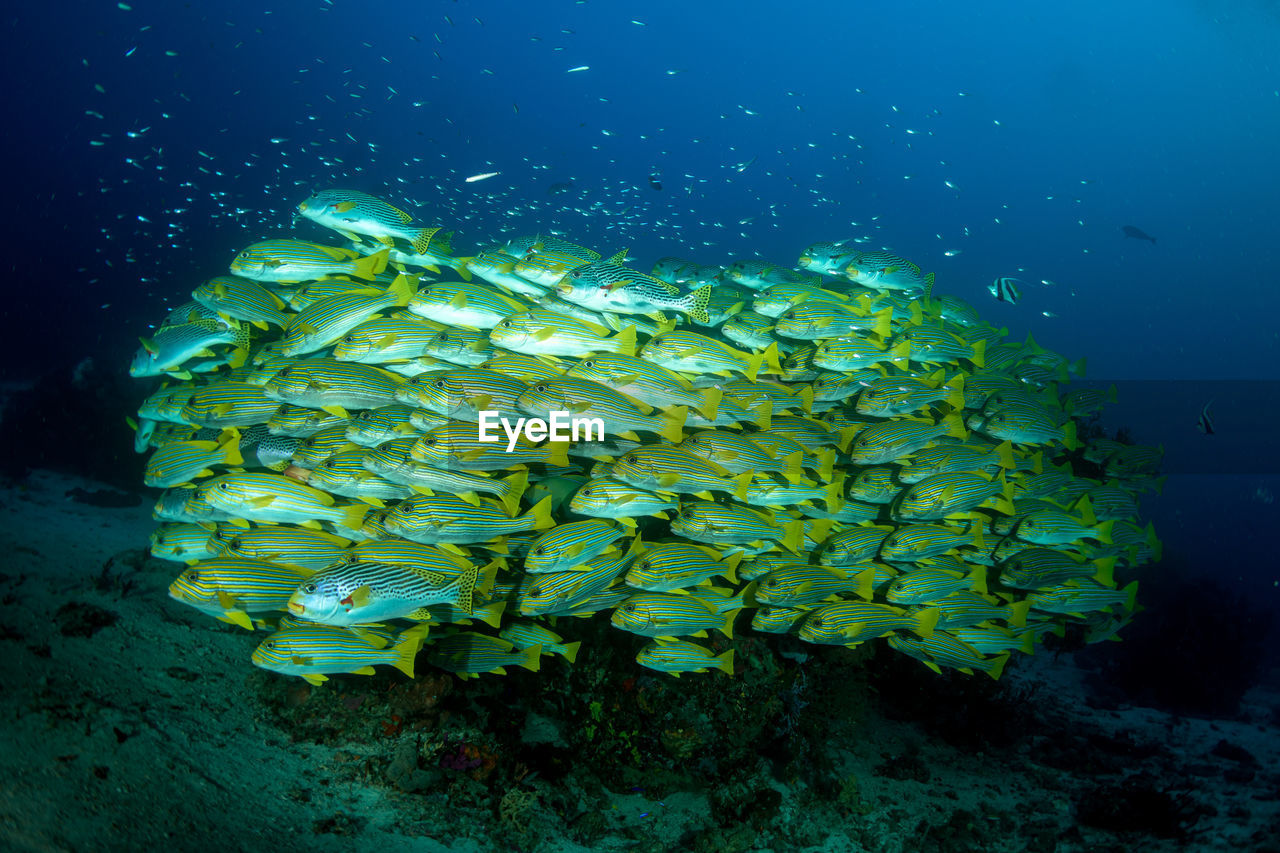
[[439, 383], [506, 324], [307, 588], [818, 623], [223, 486], [539, 551], [586, 491], [587, 363], [541, 389], [193, 576], [269, 644], [629, 608], [444, 336]]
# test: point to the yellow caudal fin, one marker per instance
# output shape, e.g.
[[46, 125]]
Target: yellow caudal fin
[[955, 426], [710, 406], [834, 495], [1069, 439], [884, 323], [979, 357], [978, 579], [764, 415], [570, 651], [557, 453], [402, 289], [1018, 613], [516, 484], [698, 310], [1106, 574], [1004, 453], [1102, 532], [806, 398], [407, 646], [422, 239], [530, 658], [793, 467], [467, 587], [724, 662], [744, 482], [624, 342], [955, 399], [997, 667], [541, 514], [727, 627], [793, 537], [460, 266], [928, 287], [369, 266], [926, 621], [230, 446], [866, 584], [673, 430], [353, 516]]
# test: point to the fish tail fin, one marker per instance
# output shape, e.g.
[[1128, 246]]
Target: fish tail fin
[[460, 266], [531, 658], [928, 287], [407, 646], [1106, 571], [793, 538], [827, 462], [926, 621], [541, 514], [901, 354], [487, 575], [866, 584], [402, 290], [978, 578], [1018, 613], [230, 447], [764, 415], [711, 403], [806, 398], [724, 662], [369, 266], [744, 483], [625, 341], [422, 239], [979, 357], [700, 299], [515, 486], [793, 467], [673, 430], [1004, 452], [467, 587], [998, 666], [955, 426], [558, 453], [727, 627], [884, 323], [353, 516], [571, 651], [1069, 438]]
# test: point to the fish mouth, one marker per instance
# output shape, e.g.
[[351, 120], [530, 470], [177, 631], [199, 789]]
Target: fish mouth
[[297, 608]]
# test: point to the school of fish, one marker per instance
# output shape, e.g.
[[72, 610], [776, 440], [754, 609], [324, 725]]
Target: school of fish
[[827, 449]]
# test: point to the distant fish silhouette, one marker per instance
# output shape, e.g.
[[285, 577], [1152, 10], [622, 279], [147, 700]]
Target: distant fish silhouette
[[1137, 234], [563, 187], [1205, 424], [655, 180]]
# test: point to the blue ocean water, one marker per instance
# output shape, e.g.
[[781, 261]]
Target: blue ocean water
[[153, 140]]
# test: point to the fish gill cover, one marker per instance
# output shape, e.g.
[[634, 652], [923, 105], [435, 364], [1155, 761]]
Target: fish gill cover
[[833, 448]]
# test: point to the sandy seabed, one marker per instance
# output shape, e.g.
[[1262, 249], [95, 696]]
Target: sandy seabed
[[132, 721]]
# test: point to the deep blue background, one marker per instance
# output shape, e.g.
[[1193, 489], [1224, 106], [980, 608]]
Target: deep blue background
[[1056, 124]]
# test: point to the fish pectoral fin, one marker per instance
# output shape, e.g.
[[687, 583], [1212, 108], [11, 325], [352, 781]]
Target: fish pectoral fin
[[359, 597], [364, 670]]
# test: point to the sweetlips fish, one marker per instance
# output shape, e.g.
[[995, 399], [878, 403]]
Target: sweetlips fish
[[541, 332], [942, 649], [467, 654], [604, 286], [355, 214], [232, 588], [297, 260], [361, 593], [677, 656], [170, 349], [315, 652], [182, 462]]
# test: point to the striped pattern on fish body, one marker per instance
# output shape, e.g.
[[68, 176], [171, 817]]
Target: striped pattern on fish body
[[193, 312], [325, 321], [812, 320], [187, 505], [678, 656], [731, 524], [689, 352], [461, 303], [242, 299], [229, 404], [646, 382], [437, 255], [774, 301], [315, 652], [1133, 462], [799, 585], [671, 566], [457, 445], [855, 353], [758, 275], [966, 609], [1086, 402], [372, 427], [849, 512], [834, 388], [231, 588], [334, 386], [469, 654], [181, 462], [777, 620], [316, 448], [541, 332], [776, 493], [172, 347], [465, 347], [853, 546], [525, 635], [446, 518], [605, 498], [489, 613], [875, 485], [942, 649], [848, 623], [913, 542], [395, 464], [954, 458], [560, 592], [317, 291], [463, 393], [1042, 568], [344, 474], [930, 345], [927, 584], [941, 495], [892, 440], [821, 461], [587, 399], [889, 396], [166, 404], [1055, 527], [182, 542], [827, 257], [1111, 503], [361, 593], [526, 368], [299, 547], [886, 271], [549, 267], [267, 497], [995, 639], [572, 544], [498, 268], [749, 329], [355, 214], [660, 614], [738, 453], [548, 244], [381, 340], [603, 286], [750, 395], [301, 422], [1084, 596], [297, 260], [666, 469]]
